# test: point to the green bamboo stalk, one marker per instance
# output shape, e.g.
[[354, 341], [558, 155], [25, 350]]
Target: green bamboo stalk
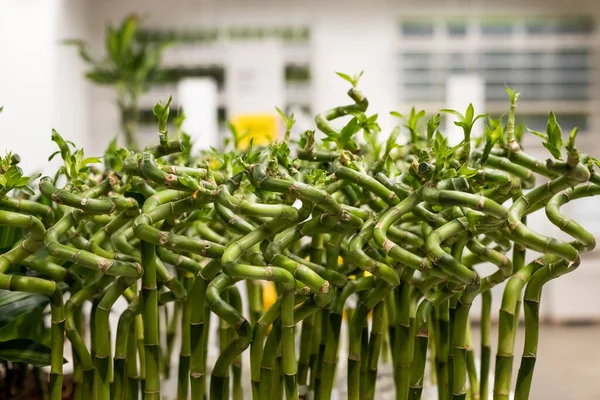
[[150, 320], [486, 350], [219, 384], [103, 358], [125, 346], [306, 338], [333, 332], [402, 347], [421, 341], [471, 368], [57, 334], [357, 324], [375, 344], [443, 349], [315, 346], [82, 202], [183, 372]]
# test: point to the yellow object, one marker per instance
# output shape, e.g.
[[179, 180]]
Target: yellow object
[[269, 295], [262, 127]]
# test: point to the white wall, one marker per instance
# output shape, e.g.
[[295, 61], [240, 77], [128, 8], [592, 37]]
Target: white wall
[[40, 84]]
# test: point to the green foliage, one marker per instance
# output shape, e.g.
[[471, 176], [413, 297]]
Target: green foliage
[[345, 138], [432, 127], [289, 123], [553, 137], [76, 166], [11, 176], [466, 121], [493, 134], [317, 177], [412, 124], [114, 156], [189, 182], [25, 351], [443, 152], [353, 80], [571, 143], [512, 95], [162, 114], [128, 61], [236, 136], [14, 304], [23, 335]]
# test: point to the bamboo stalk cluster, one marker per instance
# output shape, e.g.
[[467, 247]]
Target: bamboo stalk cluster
[[398, 227]]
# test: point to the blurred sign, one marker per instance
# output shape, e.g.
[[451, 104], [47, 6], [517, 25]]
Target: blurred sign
[[263, 128], [255, 86]]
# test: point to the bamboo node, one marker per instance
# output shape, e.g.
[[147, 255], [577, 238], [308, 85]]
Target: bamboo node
[[163, 238], [269, 272], [481, 204], [103, 265], [388, 245]]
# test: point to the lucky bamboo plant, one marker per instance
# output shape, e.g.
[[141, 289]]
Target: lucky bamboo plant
[[130, 65], [398, 228]]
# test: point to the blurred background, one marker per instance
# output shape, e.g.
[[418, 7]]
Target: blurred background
[[235, 60]]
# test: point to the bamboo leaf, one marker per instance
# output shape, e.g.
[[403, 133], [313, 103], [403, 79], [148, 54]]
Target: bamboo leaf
[[432, 126], [348, 131], [189, 182], [513, 95], [571, 144], [391, 141], [345, 77], [90, 160], [469, 114], [538, 134]]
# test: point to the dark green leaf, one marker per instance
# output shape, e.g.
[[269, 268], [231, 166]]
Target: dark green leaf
[[348, 131], [26, 351], [14, 304], [26, 326], [53, 155]]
